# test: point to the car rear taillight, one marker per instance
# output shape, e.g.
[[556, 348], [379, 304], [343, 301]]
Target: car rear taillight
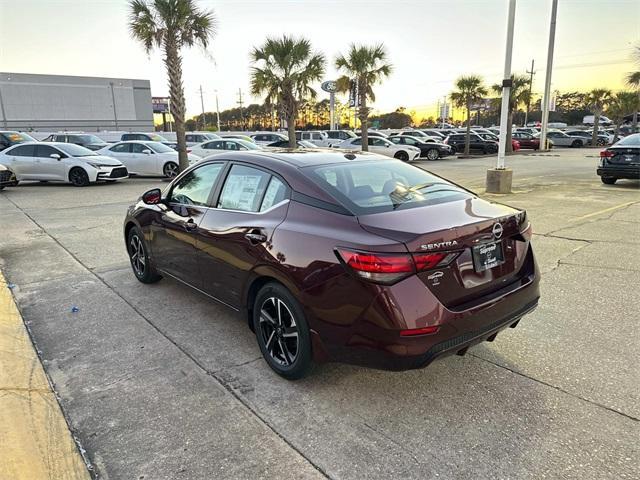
[[388, 268], [188, 150], [606, 154]]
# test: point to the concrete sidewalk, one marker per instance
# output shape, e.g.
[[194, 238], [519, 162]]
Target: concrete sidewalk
[[35, 442]]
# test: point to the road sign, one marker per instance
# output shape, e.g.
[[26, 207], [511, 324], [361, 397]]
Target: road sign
[[329, 86], [160, 104]]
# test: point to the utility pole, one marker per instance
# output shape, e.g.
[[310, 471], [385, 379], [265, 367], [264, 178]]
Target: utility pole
[[239, 102], [204, 119], [531, 74], [547, 80], [499, 178], [113, 100], [217, 111]]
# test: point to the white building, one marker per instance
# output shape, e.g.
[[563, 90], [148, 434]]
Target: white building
[[60, 102]]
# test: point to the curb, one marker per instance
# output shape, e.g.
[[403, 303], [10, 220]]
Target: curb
[[35, 441]]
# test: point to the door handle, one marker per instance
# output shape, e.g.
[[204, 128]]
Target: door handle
[[190, 225], [255, 236]]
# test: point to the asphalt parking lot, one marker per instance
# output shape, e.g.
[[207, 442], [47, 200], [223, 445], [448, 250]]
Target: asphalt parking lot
[[157, 381]]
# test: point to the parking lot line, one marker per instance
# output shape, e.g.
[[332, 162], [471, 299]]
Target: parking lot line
[[600, 212], [35, 442]]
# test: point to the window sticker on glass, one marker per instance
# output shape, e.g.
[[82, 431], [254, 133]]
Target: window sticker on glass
[[243, 189]]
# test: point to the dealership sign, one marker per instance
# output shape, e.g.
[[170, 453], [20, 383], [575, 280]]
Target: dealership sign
[[329, 86], [160, 104]]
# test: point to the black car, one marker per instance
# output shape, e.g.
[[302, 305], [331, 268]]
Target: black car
[[621, 160], [7, 178], [85, 140], [428, 150], [476, 143], [10, 138]]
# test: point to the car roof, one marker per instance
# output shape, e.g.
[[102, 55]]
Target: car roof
[[300, 158]]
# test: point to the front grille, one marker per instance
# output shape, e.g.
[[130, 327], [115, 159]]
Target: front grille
[[5, 176], [119, 172]]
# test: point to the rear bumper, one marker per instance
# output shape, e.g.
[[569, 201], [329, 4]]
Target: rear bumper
[[623, 172], [368, 344]]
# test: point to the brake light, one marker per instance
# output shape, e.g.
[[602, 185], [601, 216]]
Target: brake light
[[188, 150], [419, 331], [606, 154], [427, 261], [388, 268]]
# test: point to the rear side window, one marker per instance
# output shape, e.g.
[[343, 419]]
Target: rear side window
[[243, 189], [382, 186], [276, 193], [23, 151], [194, 188]]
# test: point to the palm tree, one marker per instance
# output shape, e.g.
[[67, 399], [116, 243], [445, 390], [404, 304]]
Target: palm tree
[[469, 90], [621, 104], [597, 99], [633, 80], [366, 66], [284, 68], [519, 94], [170, 25]]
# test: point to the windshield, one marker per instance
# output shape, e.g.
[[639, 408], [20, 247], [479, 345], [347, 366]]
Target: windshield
[[159, 147], [248, 145], [630, 141], [383, 185], [90, 139], [17, 137], [74, 150], [157, 138]]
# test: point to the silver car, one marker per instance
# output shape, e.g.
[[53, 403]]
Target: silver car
[[561, 139], [60, 162]]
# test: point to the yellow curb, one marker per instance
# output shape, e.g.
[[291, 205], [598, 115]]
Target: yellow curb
[[35, 442]]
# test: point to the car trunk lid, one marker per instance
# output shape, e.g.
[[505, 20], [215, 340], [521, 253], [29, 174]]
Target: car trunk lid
[[491, 250]]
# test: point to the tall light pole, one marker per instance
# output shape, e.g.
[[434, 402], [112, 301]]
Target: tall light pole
[[531, 73], [217, 111], [499, 178], [547, 80], [204, 119]]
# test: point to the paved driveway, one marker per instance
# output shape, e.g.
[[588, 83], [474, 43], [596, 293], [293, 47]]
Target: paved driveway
[[156, 381]]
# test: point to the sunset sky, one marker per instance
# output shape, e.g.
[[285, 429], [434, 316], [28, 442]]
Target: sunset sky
[[430, 43]]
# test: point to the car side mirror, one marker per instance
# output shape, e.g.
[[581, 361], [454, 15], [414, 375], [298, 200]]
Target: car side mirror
[[146, 151], [56, 156], [152, 197]]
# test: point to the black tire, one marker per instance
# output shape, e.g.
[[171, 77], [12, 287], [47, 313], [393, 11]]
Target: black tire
[[576, 143], [139, 257], [2, 187], [433, 154], [454, 150], [402, 156], [170, 169], [78, 177], [284, 339], [608, 180]]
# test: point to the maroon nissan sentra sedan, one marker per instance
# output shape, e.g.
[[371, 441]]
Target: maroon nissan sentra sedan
[[336, 256]]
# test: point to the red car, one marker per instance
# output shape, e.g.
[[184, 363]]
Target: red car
[[515, 145], [526, 140], [334, 256]]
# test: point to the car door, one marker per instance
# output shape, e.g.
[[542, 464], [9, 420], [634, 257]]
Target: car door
[[237, 234], [49, 168], [21, 161], [174, 227], [121, 152], [142, 159]]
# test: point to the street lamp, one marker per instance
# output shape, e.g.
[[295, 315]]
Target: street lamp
[[499, 179]]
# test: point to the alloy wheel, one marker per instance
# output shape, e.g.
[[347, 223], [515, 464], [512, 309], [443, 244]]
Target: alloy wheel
[[78, 177], [170, 170], [136, 252], [433, 154], [279, 331]]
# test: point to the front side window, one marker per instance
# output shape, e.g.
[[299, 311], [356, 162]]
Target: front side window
[[382, 186], [357, 141], [138, 147], [243, 189], [43, 151], [194, 188], [231, 146]]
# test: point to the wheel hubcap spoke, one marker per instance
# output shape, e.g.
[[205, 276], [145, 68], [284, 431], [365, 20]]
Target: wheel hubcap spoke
[[278, 331]]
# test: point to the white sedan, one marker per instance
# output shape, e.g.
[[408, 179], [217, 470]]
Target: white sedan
[[60, 162], [147, 158], [214, 146], [382, 146]]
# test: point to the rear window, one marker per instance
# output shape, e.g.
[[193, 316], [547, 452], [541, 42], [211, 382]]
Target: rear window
[[630, 141], [383, 186]]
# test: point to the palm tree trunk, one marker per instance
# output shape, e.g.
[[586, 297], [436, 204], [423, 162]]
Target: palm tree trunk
[[173, 63], [596, 122], [467, 140], [617, 131], [363, 114]]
